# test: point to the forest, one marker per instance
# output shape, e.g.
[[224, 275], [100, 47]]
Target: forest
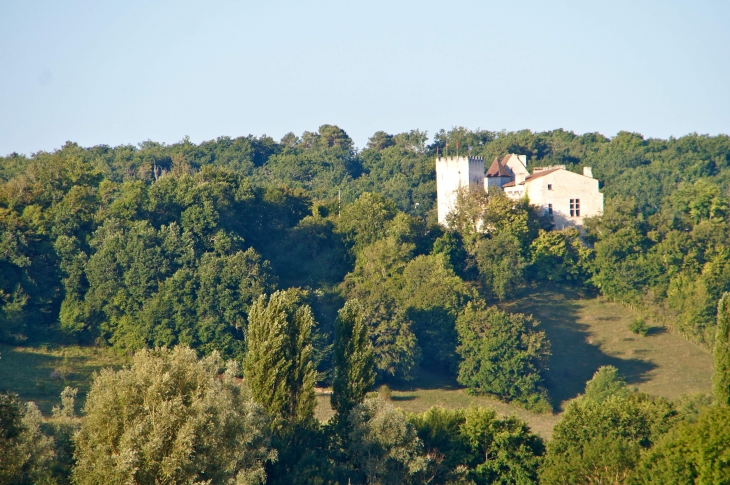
[[241, 273]]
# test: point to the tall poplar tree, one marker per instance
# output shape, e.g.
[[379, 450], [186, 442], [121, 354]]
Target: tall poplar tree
[[354, 361], [279, 366], [721, 378]]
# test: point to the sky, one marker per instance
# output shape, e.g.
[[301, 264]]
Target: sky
[[124, 72]]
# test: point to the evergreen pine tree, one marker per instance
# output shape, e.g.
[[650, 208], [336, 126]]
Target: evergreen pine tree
[[278, 366], [354, 361], [721, 378]]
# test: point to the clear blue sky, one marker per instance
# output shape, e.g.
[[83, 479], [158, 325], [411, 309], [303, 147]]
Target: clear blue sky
[[124, 72]]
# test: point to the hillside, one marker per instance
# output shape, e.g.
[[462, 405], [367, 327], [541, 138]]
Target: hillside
[[304, 264], [586, 332], [134, 247]]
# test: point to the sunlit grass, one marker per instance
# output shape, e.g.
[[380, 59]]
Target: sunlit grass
[[39, 374], [586, 333]]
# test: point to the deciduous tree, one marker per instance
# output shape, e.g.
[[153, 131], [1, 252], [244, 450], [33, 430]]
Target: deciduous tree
[[353, 360], [27, 455], [601, 442], [502, 354], [721, 377], [170, 418], [279, 365], [384, 446]]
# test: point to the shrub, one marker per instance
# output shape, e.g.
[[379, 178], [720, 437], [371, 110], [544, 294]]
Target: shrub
[[606, 382], [638, 326]]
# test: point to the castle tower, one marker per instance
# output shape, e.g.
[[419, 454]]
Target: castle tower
[[452, 173]]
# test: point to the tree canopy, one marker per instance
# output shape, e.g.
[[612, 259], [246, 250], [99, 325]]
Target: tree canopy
[[308, 260]]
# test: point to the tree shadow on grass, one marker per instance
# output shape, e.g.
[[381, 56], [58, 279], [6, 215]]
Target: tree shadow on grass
[[33, 376], [656, 331], [574, 357], [427, 378], [40, 376]]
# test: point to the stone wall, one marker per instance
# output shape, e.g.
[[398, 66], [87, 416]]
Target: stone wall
[[452, 173], [557, 189]]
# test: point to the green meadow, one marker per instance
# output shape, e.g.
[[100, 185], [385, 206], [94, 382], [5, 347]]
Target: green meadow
[[585, 331]]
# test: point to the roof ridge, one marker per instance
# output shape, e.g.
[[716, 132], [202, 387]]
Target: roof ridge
[[542, 173], [496, 169]]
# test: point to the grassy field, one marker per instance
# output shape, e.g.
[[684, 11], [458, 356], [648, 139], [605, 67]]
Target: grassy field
[[586, 333], [431, 390], [38, 374]]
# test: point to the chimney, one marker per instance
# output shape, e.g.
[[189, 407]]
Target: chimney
[[523, 159], [587, 172]]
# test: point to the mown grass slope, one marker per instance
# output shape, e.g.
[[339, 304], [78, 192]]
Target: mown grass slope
[[40, 374], [586, 332]]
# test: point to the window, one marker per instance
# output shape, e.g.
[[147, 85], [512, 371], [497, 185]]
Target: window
[[574, 207], [550, 209], [550, 186]]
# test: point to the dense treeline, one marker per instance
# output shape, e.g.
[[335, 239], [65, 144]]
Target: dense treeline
[[165, 244], [307, 261], [159, 246], [661, 245]]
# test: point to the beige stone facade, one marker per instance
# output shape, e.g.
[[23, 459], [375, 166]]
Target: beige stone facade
[[568, 197]]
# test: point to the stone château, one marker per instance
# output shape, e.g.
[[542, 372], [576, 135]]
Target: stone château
[[566, 196]]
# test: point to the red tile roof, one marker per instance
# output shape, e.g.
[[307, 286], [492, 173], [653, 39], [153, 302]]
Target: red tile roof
[[497, 169]]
